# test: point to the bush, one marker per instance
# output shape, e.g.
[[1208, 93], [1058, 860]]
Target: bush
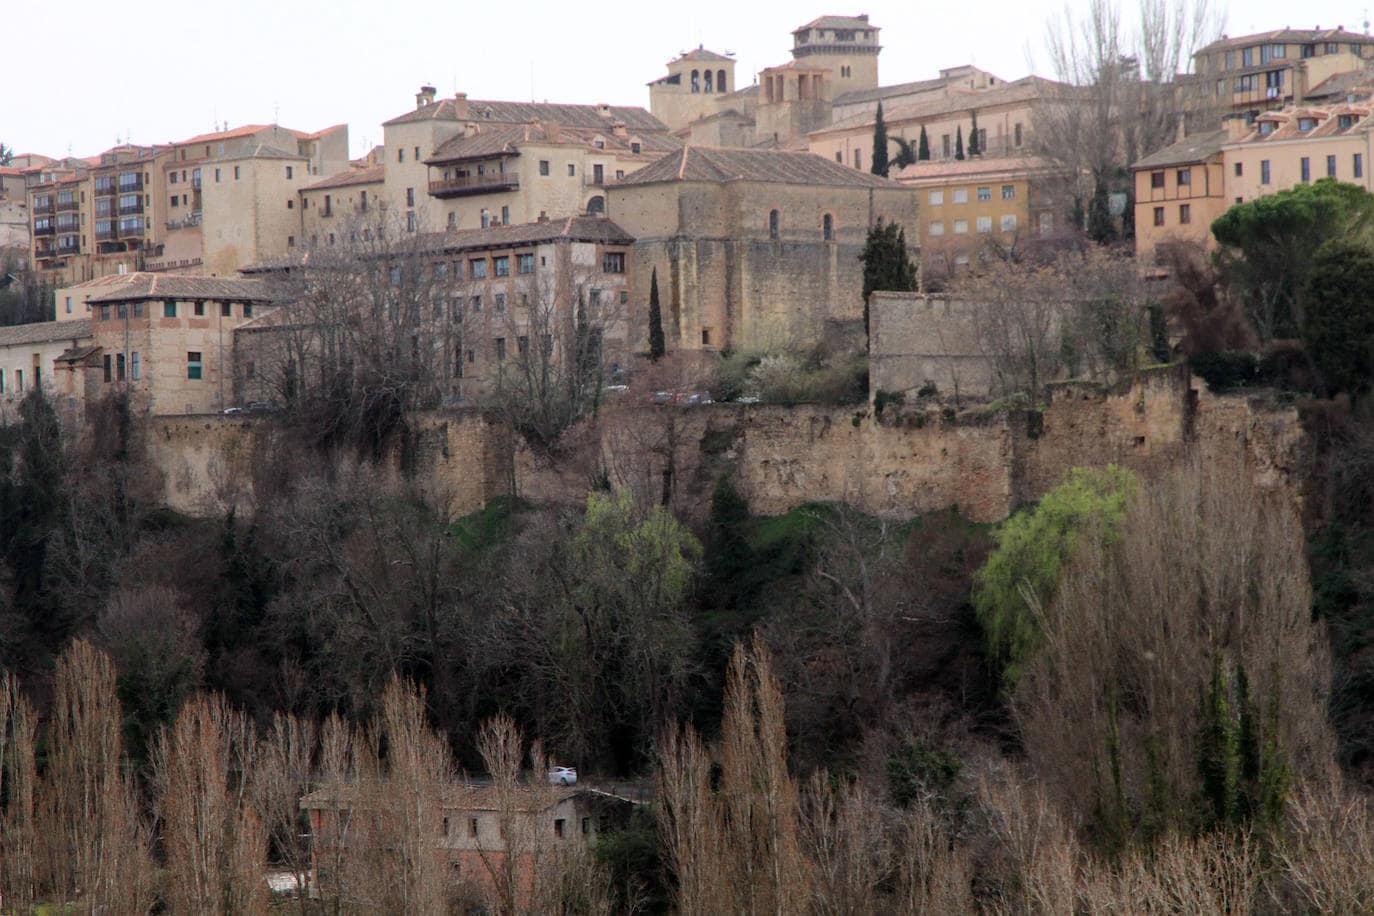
[[731, 381], [789, 379], [1227, 370], [882, 398]]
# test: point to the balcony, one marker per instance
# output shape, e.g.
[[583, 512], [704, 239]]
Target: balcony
[[105, 235], [131, 209], [44, 230], [489, 183], [42, 206], [104, 188], [68, 246], [130, 187], [64, 206], [186, 222]]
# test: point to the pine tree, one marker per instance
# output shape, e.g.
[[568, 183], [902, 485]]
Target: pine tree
[[879, 144], [887, 266], [923, 150], [959, 142], [657, 345], [975, 148]]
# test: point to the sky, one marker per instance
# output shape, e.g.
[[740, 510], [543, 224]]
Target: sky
[[161, 70]]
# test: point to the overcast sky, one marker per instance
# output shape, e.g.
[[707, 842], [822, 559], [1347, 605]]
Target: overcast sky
[[162, 70]]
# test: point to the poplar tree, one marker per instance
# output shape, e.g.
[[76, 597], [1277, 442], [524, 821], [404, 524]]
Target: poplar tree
[[657, 345], [959, 142], [879, 166], [923, 149], [975, 148]]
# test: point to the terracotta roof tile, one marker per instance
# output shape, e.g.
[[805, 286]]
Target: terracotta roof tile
[[590, 116], [246, 130], [837, 22], [716, 164], [922, 171], [373, 175], [1300, 36], [1026, 89], [170, 286], [1190, 149], [45, 332]]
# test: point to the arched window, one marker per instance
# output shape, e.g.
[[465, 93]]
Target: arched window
[[596, 205], [720, 80], [710, 81], [773, 221], [696, 80], [828, 227]]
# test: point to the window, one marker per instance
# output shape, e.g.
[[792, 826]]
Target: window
[[138, 309], [961, 227], [1266, 128], [1159, 216], [500, 302], [773, 224], [936, 198], [1009, 222], [505, 216], [984, 192], [199, 308], [1239, 169], [176, 198], [624, 297], [522, 344], [1306, 124], [119, 367], [248, 310], [586, 825], [452, 219], [937, 227], [133, 365], [486, 219], [944, 145], [19, 377], [544, 167], [477, 305], [1358, 165], [598, 174], [1273, 80], [1345, 121], [1185, 177], [572, 170], [1264, 171], [411, 224], [1330, 166], [1185, 214], [226, 310], [236, 173], [1016, 134], [401, 155], [500, 348], [613, 262], [959, 196], [525, 263], [1008, 192], [417, 154], [706, 337], [985, 224], [858, 159], [828, 227], [1306, 164], [501, 266], [69, 305], [109, 372], [169, 309], [558, 822], [472, 821], [1247, 57], [193, 367], [477, 268], [290, 241]]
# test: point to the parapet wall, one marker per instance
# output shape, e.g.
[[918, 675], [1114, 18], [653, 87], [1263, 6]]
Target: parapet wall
[[986, 462]]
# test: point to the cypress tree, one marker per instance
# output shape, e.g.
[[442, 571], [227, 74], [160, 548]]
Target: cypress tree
[[923, 150], [887, 265], [959, 142], [879, 166], [657, 345], [975, 148]]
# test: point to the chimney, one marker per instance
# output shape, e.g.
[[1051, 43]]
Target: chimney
[[425, 96], [1299, 83], [553, 131], [543, 216], [618, 128], [603, 109], [460, 106], [863, 17]]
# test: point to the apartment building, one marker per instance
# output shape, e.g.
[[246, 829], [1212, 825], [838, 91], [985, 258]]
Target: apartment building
[[137, 208], [483, 297], [1006, 115], [754, 249], [1250, 74], [457, 163], [965, 206], [167, 340], [1179, 191]]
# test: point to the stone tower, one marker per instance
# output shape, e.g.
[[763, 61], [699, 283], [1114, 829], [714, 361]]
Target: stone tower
[[846, 45], [693, 88]]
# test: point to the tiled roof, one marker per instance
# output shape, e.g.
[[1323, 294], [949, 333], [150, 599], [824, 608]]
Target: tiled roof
[[700, 53], [231, 134], [1286, 35], [1026, 89], [169, 286], [262, 151], [373, 175], [302, 135], [855, 96], [45, 332], [923, 171], [1357, 82], [715, 164], [1328, 123], [837, 22], [589, 116], [1190, 149], [107, 283], [499, 139]]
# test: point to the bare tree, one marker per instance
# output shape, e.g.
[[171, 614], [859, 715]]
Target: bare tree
[[283, 777], [19, 849]]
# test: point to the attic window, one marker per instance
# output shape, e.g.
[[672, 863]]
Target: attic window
[[1266, 128], [635, 147], [1345, 121], [1306, 124], [599, 144]]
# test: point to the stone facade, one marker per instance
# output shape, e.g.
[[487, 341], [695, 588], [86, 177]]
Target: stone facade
[[917, 340]]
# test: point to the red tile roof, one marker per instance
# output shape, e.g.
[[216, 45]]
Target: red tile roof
[[716, 165], [373, 175], [246, 130]]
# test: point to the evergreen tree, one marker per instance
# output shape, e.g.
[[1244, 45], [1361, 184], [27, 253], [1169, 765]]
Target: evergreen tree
[[1100, 226], [32, 508], [1219, 749], [975, 148], [923, 150], [879, 144], [657, 345], [887, 266], [729, 556], [959, 142]]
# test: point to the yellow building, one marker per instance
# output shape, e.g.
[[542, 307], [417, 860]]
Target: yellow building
[[966, 206], [1298, 146], [1268, 70], [1179, 191]]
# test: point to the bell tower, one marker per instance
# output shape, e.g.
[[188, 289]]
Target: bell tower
[[846, 45]]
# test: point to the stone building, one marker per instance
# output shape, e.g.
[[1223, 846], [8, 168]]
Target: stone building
[[460, 163], [43, 355], [341, 209], [1250, 74], [754, 249], [167, 340]]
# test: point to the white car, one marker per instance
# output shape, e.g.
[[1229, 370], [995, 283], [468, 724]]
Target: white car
[[563, 776]]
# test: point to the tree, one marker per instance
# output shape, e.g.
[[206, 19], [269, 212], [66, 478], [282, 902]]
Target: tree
[[959, 142], [657, 345], [879, 166], [1338, 326], [887, 264], [6, 155], [923, 150], [975, 147], [1269, 247]]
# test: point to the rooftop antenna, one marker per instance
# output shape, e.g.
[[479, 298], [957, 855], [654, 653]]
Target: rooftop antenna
[[276, 113]]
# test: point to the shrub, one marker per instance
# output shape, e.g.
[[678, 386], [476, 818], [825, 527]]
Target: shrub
[[882, 398], [1227, 370]]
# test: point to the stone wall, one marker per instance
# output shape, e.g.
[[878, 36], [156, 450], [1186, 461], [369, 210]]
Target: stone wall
[[984, 462], [916, 339]]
